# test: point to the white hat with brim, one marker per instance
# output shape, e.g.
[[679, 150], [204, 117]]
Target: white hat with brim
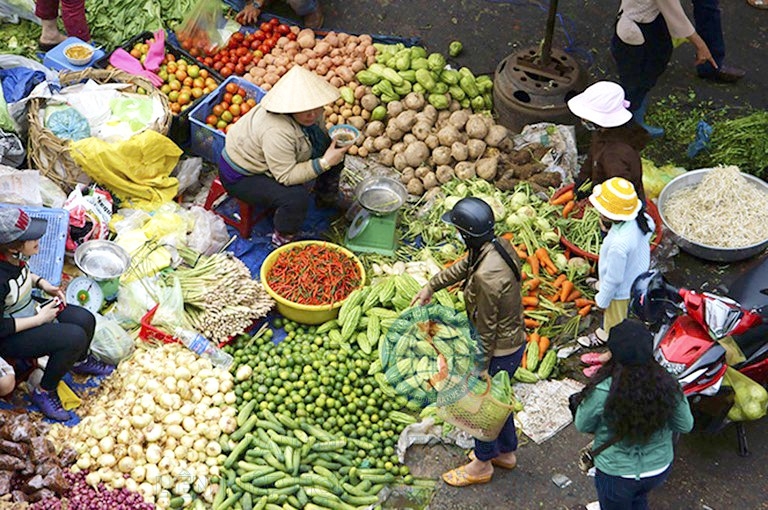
[[602, 103], [299, 90]]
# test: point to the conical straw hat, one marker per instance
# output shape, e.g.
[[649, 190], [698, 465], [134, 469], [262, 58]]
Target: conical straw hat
[[299, 90]]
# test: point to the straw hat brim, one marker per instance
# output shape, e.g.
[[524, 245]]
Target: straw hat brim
[[299, 90]]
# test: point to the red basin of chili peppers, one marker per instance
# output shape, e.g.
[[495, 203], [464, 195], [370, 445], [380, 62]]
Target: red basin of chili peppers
[[314, 274]]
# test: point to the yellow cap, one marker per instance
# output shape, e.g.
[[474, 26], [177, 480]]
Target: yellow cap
[[616, 199]]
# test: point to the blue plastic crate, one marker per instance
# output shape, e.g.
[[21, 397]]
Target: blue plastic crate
[[49, 262], [206, 141]]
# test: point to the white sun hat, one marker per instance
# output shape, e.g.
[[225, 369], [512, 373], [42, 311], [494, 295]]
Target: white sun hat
[[602, 103], [299, 90]]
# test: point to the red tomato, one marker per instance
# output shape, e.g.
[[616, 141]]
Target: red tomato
[[218, 66], [264, 49], [241, 92], [265, 27], [255, 44], [274, 22], [211, 120], [283, 29], [231, 88], [239, 69], [207, 61], [244, 108], [242, 51], [259, 35], [291, 36], [238, 36], [228, 96], [245, 59], [225, 71]]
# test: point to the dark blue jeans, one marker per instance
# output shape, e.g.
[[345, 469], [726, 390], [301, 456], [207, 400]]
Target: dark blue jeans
[[706, 16], [641, 66], [507, 440], [617, 493]]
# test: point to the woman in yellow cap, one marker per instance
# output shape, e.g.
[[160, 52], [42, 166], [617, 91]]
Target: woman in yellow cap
[[279, 151], [624, 255]]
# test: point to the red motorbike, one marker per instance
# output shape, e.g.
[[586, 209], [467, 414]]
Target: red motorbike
[[687, 325]]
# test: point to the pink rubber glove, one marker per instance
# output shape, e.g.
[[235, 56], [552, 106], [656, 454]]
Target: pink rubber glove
[[123, 60], [156, 52]]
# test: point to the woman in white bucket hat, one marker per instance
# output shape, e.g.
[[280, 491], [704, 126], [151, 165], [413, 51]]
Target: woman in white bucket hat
[[280, 150], [616, 143]]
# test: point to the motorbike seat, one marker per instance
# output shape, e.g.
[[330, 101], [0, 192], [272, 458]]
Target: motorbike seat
[[751, 340]]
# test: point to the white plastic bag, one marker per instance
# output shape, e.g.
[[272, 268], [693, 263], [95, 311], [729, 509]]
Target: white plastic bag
[[187, 171], [20, 186], [15, 9], [111, 343], [209, 234]]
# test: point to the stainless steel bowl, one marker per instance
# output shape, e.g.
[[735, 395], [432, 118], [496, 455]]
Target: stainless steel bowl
[[381, 195], [706, 252], [101, 259]]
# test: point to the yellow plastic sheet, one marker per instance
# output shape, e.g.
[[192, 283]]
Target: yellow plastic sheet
[[137, 170]]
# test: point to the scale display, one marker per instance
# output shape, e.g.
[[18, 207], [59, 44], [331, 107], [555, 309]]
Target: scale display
[[85, 292]]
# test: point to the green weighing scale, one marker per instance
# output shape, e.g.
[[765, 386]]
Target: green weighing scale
[[374, 225], [102, 262]]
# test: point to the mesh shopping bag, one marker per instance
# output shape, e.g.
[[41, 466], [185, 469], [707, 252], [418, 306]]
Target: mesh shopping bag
[[478, 412], [200, 29]]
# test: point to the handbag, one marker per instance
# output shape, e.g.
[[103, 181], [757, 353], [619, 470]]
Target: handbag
[[587, 454]]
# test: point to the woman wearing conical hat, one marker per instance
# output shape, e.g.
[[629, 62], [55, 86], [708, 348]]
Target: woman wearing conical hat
[[279, 152]]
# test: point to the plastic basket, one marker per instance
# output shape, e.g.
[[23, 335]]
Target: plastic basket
[[49, 262], [481, 416], [205, 141], [179, 131]]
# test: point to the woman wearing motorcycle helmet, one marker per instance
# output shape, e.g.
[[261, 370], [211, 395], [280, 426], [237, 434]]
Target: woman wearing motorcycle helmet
[[632, 406], [624, 255], [491, 276]]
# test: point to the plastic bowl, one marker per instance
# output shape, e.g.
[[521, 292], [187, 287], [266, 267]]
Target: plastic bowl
[[703, 251], [344, 134], [305, 314], [79, 54]]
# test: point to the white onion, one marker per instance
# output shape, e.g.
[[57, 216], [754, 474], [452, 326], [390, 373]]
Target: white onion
[[188, 409], [153, 432], [230, 398], [181, 451], [95, 451], [188, 423], [187, 440], [107, 444], [153, 454], [124, 437], [176, 431], [126, 465], [212, 449], [138, 473], [152, 473], [217, 399], [183, 373], [173, 418], [118, 482], [131, 485], [106, 460], [84, 461], [136, 451], [93, 478], [106, 475]]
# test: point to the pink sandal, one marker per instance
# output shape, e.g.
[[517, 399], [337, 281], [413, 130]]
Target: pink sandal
[[591, 358]]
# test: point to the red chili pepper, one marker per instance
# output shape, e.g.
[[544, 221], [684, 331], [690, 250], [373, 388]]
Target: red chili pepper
[[314, 275]]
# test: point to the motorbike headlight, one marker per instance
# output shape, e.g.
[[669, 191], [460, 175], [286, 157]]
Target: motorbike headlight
[[671, 367]]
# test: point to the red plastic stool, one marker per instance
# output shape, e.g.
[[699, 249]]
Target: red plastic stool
[[247, 217]]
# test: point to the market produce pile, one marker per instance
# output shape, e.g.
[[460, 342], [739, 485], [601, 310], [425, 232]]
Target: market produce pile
[[313, 420], [723, 210]]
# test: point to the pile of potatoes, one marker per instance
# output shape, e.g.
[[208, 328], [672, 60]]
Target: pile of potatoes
[[430, 148]]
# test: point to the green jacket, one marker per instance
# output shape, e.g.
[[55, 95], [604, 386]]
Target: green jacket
[[493, 299], [623, 458]]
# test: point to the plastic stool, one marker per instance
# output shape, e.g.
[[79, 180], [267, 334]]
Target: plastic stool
[[247, 218]]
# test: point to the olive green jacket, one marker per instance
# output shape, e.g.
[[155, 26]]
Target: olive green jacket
[[493, 299], [271, 143]]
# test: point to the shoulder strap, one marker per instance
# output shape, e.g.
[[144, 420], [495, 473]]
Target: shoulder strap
[[507, 259], [597, 451]]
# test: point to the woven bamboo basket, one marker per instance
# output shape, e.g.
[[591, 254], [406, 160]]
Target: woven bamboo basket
[[50, 154]]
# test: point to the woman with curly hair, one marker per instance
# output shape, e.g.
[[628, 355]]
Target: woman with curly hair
[[634, 405]]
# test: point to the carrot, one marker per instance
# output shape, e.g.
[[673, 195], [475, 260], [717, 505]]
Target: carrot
[[559, 280], [564, 198], [534, 337], [568, 208], [554, 298], [531, 323], [565, 290], [524, 362], [521, 251], [508, 236], [534, 263], [543, 346], [530, 301], [533, 284], [575, 294], [582, 302], [584, 310], [543, 256]]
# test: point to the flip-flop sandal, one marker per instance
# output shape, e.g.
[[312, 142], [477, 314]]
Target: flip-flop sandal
[[460, 478], [591, 358], [495, 462], [758, 4]]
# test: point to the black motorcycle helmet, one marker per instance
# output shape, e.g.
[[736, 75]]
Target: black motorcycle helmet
[[652, 298], [472, 217]]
